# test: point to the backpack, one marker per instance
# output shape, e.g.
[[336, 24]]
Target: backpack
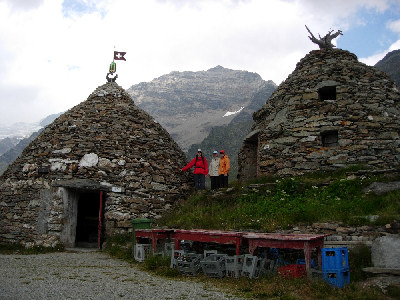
[[197, 157]]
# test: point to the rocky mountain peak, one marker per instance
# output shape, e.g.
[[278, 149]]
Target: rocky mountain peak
[[390, 64], [188, 104]]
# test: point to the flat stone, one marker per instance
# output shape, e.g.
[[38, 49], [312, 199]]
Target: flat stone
[[385, 252], [380, 188]]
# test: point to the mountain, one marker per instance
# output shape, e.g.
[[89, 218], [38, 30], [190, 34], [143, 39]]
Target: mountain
[[8, 143], [230, 137], [49, 119], [18, 130], [22, 129], [8, 157], [390, 64], [190, 104], [20, 135]]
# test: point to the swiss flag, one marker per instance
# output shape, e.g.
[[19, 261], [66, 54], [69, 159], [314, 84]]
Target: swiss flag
[[119, 55]]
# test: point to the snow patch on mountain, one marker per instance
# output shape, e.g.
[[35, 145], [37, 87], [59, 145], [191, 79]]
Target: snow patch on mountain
[[19, 130], [23, 130], [229, 113]]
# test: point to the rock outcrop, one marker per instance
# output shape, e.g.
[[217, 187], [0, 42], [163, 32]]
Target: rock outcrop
[[390, 64]]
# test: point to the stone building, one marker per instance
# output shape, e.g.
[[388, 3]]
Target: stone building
[[331, 112], [89, 173]]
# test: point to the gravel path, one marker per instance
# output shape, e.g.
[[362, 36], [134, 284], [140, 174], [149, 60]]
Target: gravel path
[[89, 275]]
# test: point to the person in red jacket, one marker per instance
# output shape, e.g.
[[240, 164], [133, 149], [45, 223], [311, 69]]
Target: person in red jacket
[[200, 170]]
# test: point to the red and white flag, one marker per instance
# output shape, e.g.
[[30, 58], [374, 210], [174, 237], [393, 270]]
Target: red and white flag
[[119, 55]]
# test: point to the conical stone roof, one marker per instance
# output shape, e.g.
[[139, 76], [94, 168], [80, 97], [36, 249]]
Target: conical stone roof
[[331, 112], [105, 143]]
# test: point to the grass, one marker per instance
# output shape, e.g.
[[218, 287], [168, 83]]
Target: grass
[[120, 246], [160, 266], [274, 287], [359, 258], [20, 249], [279, 203]]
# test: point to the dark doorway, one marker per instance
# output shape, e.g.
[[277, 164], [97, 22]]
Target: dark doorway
[[87, 227], [248, 157]]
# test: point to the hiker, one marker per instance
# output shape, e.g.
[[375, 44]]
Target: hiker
[[213, 171], [224, 167], [200, 170]]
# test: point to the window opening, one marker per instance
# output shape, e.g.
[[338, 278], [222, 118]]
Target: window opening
[[330, 138], [327, 93]]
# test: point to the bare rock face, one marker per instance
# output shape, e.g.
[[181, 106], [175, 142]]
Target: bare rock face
[[332, 111], [385, 252], [189, 104], [104, 148], [390, 64]]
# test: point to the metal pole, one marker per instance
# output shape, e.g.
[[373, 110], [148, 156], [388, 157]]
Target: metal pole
[[100, 219]]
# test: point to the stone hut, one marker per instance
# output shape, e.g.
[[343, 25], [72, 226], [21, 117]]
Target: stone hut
[[331, 112], [89, 173]]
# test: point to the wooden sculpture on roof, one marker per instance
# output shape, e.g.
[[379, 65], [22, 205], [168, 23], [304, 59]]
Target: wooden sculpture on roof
[[326, 41]]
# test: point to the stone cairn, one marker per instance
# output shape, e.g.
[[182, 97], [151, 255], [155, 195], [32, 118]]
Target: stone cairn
[[105, 143], [331, 112]]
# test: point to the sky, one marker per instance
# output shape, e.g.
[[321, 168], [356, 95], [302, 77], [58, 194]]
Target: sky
[[54, 53]]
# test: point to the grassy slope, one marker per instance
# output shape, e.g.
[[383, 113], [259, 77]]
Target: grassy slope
[[276, 203]]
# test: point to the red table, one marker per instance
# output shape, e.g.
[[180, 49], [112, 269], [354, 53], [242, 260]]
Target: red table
[[293, 241], [209, 236], [154, 235]]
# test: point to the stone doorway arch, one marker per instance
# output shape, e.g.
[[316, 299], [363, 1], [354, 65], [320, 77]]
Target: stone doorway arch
[[83, 216], [248, 157]]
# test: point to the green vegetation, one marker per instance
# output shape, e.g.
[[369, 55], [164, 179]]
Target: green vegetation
[[120, 246], [20, 249], [160, 266], [275, 203], [276, 287], [359, 258]]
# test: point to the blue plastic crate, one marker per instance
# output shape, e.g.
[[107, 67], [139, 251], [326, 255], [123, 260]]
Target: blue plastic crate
[[335, 258], [337, 278]]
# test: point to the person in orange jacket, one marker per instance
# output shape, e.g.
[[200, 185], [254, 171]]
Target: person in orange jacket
[[200, 170], [224, 168]]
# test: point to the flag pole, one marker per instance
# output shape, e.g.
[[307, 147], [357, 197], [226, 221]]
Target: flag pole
[[113, 66]]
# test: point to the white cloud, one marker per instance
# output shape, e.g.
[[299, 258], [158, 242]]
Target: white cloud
[[22, 5], [58, 52], [394, 26], [373, 59]]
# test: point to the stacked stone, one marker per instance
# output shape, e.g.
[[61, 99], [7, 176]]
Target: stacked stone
[[105, 143], [364, 114], [341, 234]]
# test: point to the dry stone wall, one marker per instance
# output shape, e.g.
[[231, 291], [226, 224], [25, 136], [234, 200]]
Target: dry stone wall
[[105, 144], [332, 111]]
